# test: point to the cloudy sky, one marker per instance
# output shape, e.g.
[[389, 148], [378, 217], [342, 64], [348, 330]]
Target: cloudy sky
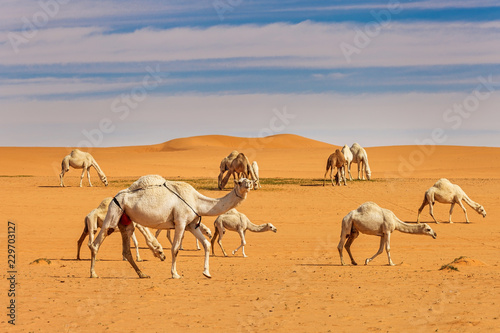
[[113, 73]]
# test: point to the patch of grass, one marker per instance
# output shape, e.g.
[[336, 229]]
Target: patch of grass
[[16, 176], [450, 265], [210, 184]]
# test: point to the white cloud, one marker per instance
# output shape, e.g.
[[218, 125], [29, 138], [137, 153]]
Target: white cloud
[[307, 44]]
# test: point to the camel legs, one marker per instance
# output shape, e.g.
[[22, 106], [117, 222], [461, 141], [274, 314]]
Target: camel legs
[[350, 240], [243, 243], [108, 226], [421, 208], [384, 239], [94, 248], [182, 241], [324, 177], [430, 202], [388, 248], [176, 244], [61, 176], [136, 244], [127, 232], [170, 239], [349, 169], [80, 242], [206, 246], [219, 241], [431, 211], [465, 212], [362, 166], [85, 169], [219, 233]]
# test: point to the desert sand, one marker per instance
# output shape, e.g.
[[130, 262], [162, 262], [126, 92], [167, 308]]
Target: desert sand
[[291, 280]]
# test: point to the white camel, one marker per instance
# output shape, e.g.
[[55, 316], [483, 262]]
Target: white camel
[[236, 221], [93, 221], [204, 229], [444, 191], [156, 203], [348, 159], [255, 168], [371, 219], [360, 157], [78, 159]]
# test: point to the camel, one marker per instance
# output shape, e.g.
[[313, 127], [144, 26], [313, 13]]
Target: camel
[[93, 221], [154, 202], [255, 168], [348, 159], [236, 221], [360, 157], [204, 229], [444, 191], [371, 219], [225, 165], [240, 166], [335, 160], [78, 159]]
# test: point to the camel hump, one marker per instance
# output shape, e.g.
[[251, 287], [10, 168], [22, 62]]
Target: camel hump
[[76, 152], [443, 183], [147, 181], [233, 154]]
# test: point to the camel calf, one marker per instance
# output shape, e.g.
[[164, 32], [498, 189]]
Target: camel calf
[[336, 160]]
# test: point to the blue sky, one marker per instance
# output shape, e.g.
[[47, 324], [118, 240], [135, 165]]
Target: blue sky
[[114, 73]]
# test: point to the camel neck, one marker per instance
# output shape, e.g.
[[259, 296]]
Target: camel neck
[[212, 207], [97, 168], [256, 228], [408, 228]]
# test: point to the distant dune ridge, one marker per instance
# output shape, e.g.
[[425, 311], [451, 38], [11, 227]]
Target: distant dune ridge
[[283, 155], [233, 142]]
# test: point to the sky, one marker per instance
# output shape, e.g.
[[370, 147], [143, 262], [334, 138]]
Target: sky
[[122, 73]]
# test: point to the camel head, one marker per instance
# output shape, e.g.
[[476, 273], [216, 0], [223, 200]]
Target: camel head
[[271, 227], [481, 210], [206, 231], [368, 174], [243, 186], [104, 180], [426, 230], [156, 248]]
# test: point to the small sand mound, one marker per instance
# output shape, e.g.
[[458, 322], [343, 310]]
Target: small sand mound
[[41, 261], [462, 261]]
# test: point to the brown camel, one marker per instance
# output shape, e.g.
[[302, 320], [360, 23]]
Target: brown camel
[[225, 164], [240, 167], [335, 160]]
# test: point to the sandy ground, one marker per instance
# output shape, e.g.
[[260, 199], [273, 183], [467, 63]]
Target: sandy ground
[[291, 280]]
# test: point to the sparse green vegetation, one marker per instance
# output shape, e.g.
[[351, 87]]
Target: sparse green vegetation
[[15, 176], [450, 265]]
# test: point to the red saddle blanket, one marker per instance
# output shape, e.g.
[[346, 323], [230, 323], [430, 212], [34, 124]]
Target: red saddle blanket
[[125, 220]]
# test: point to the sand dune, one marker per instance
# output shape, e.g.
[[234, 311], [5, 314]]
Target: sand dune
[[291, 280]]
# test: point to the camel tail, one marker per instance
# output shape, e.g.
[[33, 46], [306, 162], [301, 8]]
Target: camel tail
[[424, 203], [328, 164], [86, 228], [347, 225], [65, 164]]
